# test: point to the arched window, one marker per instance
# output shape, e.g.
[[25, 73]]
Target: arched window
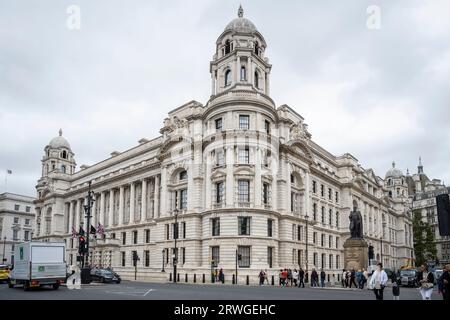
[[257, 79], [227, 47], [227, 77], [64, 154], [63, 169], [243, 74], [257, 48]]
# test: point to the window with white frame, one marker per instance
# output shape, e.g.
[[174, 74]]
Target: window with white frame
[[244, 256], [244, 155], [243, 191], [219, 192], [244, 122]]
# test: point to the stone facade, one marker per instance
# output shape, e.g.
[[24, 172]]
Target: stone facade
[[244, 176], [17, 218]]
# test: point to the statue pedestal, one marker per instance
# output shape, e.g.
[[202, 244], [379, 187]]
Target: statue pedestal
[[356, 255]]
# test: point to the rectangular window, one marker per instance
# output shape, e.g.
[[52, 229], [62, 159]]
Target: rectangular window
[[147, 236], [244, 191], [299, 257], [322, 190], [167, 232], [270, 227], [244, 156], [113, 235], [315, 211], [314, 237], [267, 126], [266, 193], [215, 227], [135, 237], [323, 214], [27, 209], [293, 231], [124, 238], [26, 235], [330, 241], [330, 217], [337, 197], [219, 192], [219, 124], [27, 222], [292, 201], [220, 159], [270, 256], [17, 207], [337, 219], [167, 255], [323, 262], [147, 258], [183, 225], [183, 197], [337, 243], [175, 230], [299, 233], [183, 252], [330, 261], [244, 226], [244, 256], [244, 122], [314, 187], [322, 240], [215, 256], [123, 258], [315, 259], [16, 220], [330, 194], [337, 262]]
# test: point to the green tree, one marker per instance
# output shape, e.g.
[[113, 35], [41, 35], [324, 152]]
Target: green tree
[[424, 240]]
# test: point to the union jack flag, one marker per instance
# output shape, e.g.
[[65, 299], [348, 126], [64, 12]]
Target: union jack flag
[[74, 233], [100, 229]]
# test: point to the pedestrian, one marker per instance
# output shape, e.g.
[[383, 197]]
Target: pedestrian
[[266, 277], [395, 288], [347, 278], [221, 276], [314, 278], [261, 278], [301, 277], [344, 275], [322, 278], [280, 275], [295, 276], [306, 277], [446, 283], [365, 276], [284, 277], [426, 281], [378, 281], [352, 278], [289, 275]]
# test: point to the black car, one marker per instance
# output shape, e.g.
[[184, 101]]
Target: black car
[[408, 278], [103, 275]]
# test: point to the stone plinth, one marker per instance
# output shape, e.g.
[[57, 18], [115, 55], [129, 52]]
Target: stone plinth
[[355, 254]]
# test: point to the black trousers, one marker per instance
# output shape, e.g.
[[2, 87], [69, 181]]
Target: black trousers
[[379, 293], [352, 281], [301, 283]]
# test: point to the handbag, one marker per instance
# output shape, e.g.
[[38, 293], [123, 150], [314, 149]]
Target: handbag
[[427, 285]]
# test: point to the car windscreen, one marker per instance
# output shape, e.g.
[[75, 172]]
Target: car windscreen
[[107, 273], [409, 273]]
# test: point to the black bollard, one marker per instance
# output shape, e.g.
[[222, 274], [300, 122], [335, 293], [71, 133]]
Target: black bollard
[[195, 278], [233, 280], [248, 280], [170, 277], [203, 278], [273, 280]]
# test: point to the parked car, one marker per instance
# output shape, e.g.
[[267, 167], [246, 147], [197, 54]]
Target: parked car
[[103, 275], [4, 273], [408, 278]]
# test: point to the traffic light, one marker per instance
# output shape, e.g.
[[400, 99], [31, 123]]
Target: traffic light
[[371, 254], [81, 245], [135, 258]]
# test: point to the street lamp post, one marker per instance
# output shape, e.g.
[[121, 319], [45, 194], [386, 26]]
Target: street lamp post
[[306, 247], [87, 209], [4, 244], [175, 236], [382, 236]]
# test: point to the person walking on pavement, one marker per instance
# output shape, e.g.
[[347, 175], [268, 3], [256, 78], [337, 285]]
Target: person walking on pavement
[[378, 281], [426, 281], [395, 288], [344, 275], [445, 278], [266, 277], [295, 276], [365, 277], [322, 278], [352, 278], [301, 277], [261, 278], [314, 278]]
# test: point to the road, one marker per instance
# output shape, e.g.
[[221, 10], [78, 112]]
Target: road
[[128, 290]]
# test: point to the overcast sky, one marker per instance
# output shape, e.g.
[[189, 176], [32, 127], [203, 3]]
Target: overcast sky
[[379, 94]]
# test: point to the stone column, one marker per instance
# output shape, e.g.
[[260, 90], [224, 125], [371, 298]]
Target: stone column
[[229, 188], [121, 204], [102, 208], [164, 193], [70, 217], [144, 200], [77, 215], [288, 185], [156, 206], [258, 184], [111, 208], [132, 202]]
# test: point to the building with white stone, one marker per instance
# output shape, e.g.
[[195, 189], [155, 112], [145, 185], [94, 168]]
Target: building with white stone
[[17, 217], [241, 174]]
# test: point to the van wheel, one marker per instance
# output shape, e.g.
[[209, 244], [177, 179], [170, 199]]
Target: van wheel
[[26, 286], [56, 286]]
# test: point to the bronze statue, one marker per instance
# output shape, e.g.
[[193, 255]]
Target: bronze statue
[[356, 224]]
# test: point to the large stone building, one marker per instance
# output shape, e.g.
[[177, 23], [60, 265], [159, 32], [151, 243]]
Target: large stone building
[[240, 174], [17, 217], [424, 192]]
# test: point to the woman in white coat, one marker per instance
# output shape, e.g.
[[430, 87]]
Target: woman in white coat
[[378, 281]]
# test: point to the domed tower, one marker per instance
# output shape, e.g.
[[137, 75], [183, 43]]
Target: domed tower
[[396, 183], [58, 157], [239, 61]]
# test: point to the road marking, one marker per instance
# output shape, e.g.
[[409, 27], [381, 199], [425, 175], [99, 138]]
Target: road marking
[[148, 292]]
